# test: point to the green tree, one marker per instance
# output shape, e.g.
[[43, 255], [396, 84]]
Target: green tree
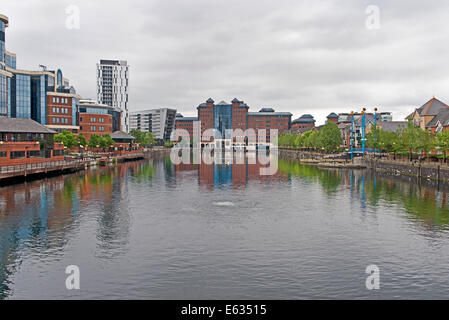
[[329, 137], [82, 140], [150, 139], [143, 138], [442, 143], [410, 139], [94, 141], [67, 138], [106, 141]]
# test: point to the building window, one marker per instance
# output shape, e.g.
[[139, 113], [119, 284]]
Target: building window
[[3, 154], [33, 154], [57, 153], [17, 154]]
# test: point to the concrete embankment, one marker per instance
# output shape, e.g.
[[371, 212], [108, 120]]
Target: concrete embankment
[[424, 170], [432, 171]]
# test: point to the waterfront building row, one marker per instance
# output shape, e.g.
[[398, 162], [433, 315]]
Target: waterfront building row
[[224, 116]]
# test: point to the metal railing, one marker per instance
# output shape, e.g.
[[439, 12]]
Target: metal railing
[[40, 165]]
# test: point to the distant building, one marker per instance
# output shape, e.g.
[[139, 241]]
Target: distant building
[[394, 126], [29, 94], [344, 124], [25, 141], [223, 117], [304, 121], [424, 115], [160, 122], [100, 119], [185, 123], [113, 87], [332, 117]]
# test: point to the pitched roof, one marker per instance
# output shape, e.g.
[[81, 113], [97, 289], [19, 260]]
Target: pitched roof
[[121, 135], [18, 125], [393, 126], [305, 118], [235, 100], [266, 110], [332, 115], [442, 117], [431, 107], [210, 100]]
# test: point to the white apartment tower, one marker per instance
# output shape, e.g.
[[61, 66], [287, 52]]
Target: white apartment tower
[[112, 87]]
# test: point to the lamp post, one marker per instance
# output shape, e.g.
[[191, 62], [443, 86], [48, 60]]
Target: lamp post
[[363, 130], [352, 136], [375, 131]]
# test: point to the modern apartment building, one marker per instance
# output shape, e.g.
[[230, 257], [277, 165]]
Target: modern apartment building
[[36, 95], [112, 87], [158, 121]]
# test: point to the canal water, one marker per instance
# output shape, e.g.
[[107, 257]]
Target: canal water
[[153, 230]]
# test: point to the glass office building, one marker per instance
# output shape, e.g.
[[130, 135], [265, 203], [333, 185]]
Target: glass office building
[[3, 25], [222, 119], [23, 94]]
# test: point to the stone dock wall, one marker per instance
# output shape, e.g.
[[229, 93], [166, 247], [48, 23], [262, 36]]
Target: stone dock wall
[[424, 170]]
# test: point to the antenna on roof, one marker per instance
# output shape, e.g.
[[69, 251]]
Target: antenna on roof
[[44, 68]]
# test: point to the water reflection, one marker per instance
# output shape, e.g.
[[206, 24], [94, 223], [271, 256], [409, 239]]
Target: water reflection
[[426, 201], [41, 217]]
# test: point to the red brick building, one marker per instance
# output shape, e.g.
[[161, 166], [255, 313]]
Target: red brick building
[[206, 116], [25, 141], [223, 116], [304, 121], [99, 119], [62, 110], [185, 123], [268, 119]]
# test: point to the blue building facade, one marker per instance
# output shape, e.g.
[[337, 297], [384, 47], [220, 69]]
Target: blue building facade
[[23, 94]]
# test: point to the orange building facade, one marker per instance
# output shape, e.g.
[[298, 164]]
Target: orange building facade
[[24, 141]]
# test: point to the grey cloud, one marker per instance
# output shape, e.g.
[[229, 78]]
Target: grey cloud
[[298, 56]]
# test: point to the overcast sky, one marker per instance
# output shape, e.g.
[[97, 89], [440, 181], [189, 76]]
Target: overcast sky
[[298, 56]]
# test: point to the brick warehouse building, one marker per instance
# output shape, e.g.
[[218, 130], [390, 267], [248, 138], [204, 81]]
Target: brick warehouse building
[[98, 119], [185, 123], [24, 141], [223, 116]]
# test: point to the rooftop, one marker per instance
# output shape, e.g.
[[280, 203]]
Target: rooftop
[[187, 119], [305, 118], [266, 110], [4, 19], [121, 135], [17, 125], [393, 126], [442, 117], [430, 108]]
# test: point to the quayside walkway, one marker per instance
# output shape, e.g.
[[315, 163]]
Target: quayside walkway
[[41, 168]]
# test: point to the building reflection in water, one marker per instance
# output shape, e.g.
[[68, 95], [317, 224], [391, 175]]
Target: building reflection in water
[[229, 172], [39, 216], [426, 202]]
